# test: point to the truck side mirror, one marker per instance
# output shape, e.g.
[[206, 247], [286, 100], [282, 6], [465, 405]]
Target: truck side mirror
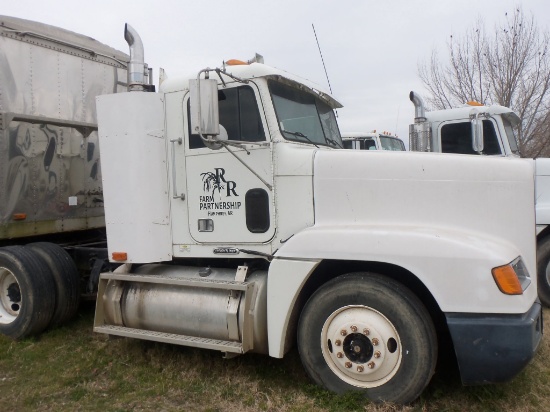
[[477, 131], [204, 107]]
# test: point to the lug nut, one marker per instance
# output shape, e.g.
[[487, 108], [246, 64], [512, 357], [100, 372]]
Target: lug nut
[[360, 368], [371, 365], [366, 332], [377, 354], [343, 332], [338, 342], [348, 365], [375, 341], [339, 355], [353, 328]]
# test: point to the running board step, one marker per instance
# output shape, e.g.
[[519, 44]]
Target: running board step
[[171, 280], [195, 342]]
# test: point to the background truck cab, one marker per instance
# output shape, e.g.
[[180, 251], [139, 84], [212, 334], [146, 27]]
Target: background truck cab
[[486, 130], [372, 141]]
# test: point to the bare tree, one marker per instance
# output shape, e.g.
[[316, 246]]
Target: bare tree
[[510, 68]]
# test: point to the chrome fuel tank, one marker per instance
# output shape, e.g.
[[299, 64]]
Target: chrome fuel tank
[[203, 312]]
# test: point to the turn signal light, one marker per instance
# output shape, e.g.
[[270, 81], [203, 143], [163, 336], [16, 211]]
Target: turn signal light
[[474, 103], [507, 280], [119, 256], [19, 216]]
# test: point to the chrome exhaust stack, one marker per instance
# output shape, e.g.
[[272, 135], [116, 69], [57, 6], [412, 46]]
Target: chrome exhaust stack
[[136, 67], [419, 111], [420, 133]]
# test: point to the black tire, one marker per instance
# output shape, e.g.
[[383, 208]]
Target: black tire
[[66, 280], [27, 295], [543, 271], [365, 332]]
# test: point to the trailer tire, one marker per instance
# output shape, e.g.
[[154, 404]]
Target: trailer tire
[[66, 280], [543, 271], [365, 332], [27, 293]]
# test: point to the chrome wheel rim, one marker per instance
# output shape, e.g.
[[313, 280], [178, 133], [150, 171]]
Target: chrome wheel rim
[[361, 346]]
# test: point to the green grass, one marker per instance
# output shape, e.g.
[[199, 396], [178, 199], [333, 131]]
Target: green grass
[[73, 369]]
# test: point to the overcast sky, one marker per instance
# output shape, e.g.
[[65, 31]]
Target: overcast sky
[[371, 48]]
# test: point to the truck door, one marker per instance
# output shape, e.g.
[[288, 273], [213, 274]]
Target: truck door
[[229, 193]]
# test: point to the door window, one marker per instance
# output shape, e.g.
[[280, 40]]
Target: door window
[[239, 115], [457, 138]]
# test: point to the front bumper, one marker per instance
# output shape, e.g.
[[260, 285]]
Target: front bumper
[[493, 348]]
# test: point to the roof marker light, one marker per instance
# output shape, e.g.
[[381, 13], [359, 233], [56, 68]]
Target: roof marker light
[[235, 62]]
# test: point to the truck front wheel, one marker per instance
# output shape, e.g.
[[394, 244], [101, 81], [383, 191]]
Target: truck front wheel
[[543, 271], [365, 332]]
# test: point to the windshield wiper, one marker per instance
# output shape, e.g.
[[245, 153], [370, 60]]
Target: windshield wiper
[[299, 134], [334, 142]]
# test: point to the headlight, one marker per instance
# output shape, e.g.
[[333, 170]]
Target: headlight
[[513, 278]]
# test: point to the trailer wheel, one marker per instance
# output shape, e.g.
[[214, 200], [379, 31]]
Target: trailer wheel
[[543, 271], [365, 332], [26, 293], [66, 280]]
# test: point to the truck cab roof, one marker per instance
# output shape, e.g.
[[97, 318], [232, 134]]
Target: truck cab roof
[[464, 112], [253, 71]]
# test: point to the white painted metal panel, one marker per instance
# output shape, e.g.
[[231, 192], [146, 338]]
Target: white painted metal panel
[[284, 282], [135, 177], [448, 219]]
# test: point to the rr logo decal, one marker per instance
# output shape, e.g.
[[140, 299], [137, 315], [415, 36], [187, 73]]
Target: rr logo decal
[[216, 180]]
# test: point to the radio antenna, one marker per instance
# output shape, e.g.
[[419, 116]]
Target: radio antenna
[[323, 60]]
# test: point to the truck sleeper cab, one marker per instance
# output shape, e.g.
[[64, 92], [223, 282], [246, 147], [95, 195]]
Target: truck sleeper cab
[[252, 227]]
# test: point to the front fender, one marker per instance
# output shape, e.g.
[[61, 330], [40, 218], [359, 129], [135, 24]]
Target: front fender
[[285, 279], [455, 266]]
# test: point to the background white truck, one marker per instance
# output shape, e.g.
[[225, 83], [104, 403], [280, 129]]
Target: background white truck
[[453, 131], [51, 196], [372, 141], [240, 225]]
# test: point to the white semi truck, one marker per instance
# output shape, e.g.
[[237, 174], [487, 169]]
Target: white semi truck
[[240, 226], [372, 141], [51, 198], [486, 130]]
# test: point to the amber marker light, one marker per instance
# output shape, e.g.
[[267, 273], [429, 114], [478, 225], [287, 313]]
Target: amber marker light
[[119, 256], [235, 62], [19, 216], [507, 280]]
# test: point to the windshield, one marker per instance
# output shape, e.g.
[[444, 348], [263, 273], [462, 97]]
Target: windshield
[[390, 143], [510, 135], [304, 117]]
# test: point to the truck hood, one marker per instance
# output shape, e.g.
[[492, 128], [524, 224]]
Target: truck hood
[[490, 196]]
